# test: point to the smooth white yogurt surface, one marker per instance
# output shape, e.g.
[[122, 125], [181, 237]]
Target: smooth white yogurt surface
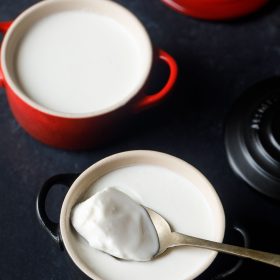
[[78, 62], [114, 223], [176, 199]]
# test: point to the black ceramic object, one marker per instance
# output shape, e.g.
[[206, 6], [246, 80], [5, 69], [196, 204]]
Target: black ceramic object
[[52, 227], [252, 137], [236, 234]]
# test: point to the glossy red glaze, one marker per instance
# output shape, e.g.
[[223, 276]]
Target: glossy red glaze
[[61, 132], [80, 133], [215, 9], [4, 26], [153, 99]]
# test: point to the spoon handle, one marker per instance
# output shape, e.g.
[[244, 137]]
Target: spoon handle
[[179, 239]]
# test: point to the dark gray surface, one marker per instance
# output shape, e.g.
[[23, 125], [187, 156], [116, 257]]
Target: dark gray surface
[[217, 62]]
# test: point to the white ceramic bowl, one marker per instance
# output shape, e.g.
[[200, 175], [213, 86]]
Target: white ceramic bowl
[[178, 264]]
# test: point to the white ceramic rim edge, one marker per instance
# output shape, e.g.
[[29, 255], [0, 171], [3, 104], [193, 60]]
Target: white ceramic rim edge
[[196, 172], [43, 109]]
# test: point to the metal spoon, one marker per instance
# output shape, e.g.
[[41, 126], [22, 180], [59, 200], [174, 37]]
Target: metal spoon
[[168, 239]]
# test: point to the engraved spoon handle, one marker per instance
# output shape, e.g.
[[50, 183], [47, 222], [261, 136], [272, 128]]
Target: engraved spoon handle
[[178, 239]]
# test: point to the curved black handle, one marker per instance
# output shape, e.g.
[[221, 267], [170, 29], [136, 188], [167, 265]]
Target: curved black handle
[[240, 261], [51, 227]]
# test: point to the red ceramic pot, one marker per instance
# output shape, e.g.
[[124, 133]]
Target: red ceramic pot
[[77, 131], [215, 9]]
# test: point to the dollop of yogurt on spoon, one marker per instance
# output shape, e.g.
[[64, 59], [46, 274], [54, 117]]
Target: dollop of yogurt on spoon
[[114, 223]]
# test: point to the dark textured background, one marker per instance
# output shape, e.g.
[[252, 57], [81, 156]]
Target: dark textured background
[[217, 62]]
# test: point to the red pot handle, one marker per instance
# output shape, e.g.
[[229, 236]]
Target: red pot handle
[[151, 100], [4, 26]]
